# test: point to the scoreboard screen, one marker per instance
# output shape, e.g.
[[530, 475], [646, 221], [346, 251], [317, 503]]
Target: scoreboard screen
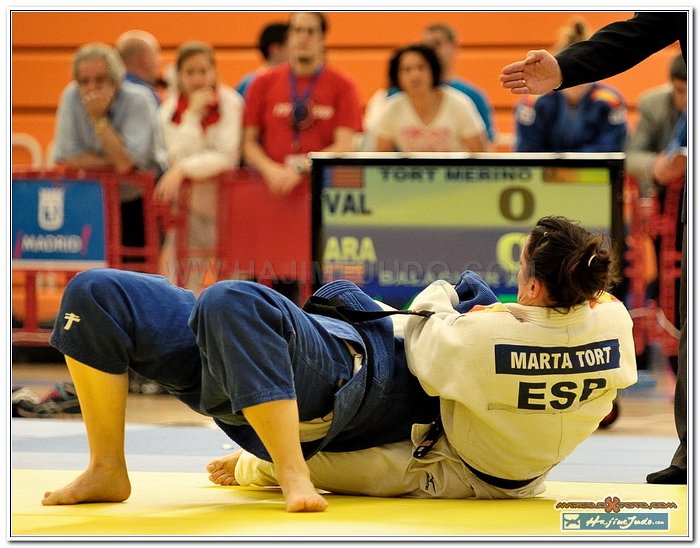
[[393, 223]]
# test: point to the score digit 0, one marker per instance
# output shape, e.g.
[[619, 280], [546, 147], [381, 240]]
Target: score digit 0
[[526, 202]]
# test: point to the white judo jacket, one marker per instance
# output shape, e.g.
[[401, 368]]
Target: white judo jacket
[[520, 388]]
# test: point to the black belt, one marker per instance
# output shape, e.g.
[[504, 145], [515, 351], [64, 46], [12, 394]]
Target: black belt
[[501, 483], [436, 431], [336, 308]]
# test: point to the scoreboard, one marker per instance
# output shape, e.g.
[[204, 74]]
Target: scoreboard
[[393, 223]]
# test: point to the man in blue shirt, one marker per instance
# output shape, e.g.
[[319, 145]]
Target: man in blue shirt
[[103, 122], [272, 44], [140, 52]]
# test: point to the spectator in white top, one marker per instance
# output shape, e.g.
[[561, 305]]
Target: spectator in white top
[[202, 127], [426, 116]]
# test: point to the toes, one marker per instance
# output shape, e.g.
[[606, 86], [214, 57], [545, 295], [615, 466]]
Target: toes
[[218, 477], [214, 465], [48, 499], [311, 504], [214, 479], [221, 477]]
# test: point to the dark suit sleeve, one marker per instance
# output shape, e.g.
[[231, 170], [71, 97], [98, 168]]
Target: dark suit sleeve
[[621, 45]]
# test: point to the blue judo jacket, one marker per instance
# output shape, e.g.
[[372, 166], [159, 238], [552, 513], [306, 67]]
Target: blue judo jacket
[[384, 399], [379, 404]]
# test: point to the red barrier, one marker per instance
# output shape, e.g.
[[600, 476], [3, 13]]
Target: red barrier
[[664, 225], [653, 321], [143, 259], [260, 236], [265, 235]]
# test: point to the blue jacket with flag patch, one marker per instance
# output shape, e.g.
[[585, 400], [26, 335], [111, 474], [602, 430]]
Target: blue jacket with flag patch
[[598, 123]]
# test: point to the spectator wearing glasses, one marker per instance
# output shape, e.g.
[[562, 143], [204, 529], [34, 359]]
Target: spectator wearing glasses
[[298, 107], [104, 122]]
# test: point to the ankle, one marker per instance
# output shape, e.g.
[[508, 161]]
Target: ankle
[[107, 465], [293, 473]]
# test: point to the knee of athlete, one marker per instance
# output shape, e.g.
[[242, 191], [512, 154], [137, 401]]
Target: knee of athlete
[[236, 302], [233, 298]]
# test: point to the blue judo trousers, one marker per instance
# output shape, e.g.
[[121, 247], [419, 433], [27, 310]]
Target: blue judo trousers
[[241, 344]]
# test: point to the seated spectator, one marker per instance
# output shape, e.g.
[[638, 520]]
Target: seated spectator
[[660, 112], [584, 118], [103, 122], [272, 44], [673, 163], [426, 116], [443, 39], [202, 127]]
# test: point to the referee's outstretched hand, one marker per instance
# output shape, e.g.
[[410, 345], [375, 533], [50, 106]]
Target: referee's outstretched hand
[[539, 73]]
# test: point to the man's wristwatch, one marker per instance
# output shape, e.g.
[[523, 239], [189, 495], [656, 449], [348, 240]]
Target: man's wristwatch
[[100, 124]]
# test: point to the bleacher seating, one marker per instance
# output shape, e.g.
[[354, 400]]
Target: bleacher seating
[[26, 149], [359, 43]]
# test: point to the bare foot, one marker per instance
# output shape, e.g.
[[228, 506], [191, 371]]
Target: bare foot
[[300, 495], [93, 485], [222, 471]]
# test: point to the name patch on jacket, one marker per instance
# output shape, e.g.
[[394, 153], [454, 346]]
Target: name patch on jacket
[[515, 359]]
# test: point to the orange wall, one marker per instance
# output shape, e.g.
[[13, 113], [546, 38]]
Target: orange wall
[[359, 43]]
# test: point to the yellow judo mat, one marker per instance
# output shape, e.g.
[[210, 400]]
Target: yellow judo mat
[[186, 505]]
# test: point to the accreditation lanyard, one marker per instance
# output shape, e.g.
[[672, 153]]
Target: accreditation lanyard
[[300, 110]]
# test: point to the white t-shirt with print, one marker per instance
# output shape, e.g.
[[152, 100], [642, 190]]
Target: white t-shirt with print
[[457, 118]]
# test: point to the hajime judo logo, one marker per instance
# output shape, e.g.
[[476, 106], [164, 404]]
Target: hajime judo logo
[[51, 208], [571, 521]]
